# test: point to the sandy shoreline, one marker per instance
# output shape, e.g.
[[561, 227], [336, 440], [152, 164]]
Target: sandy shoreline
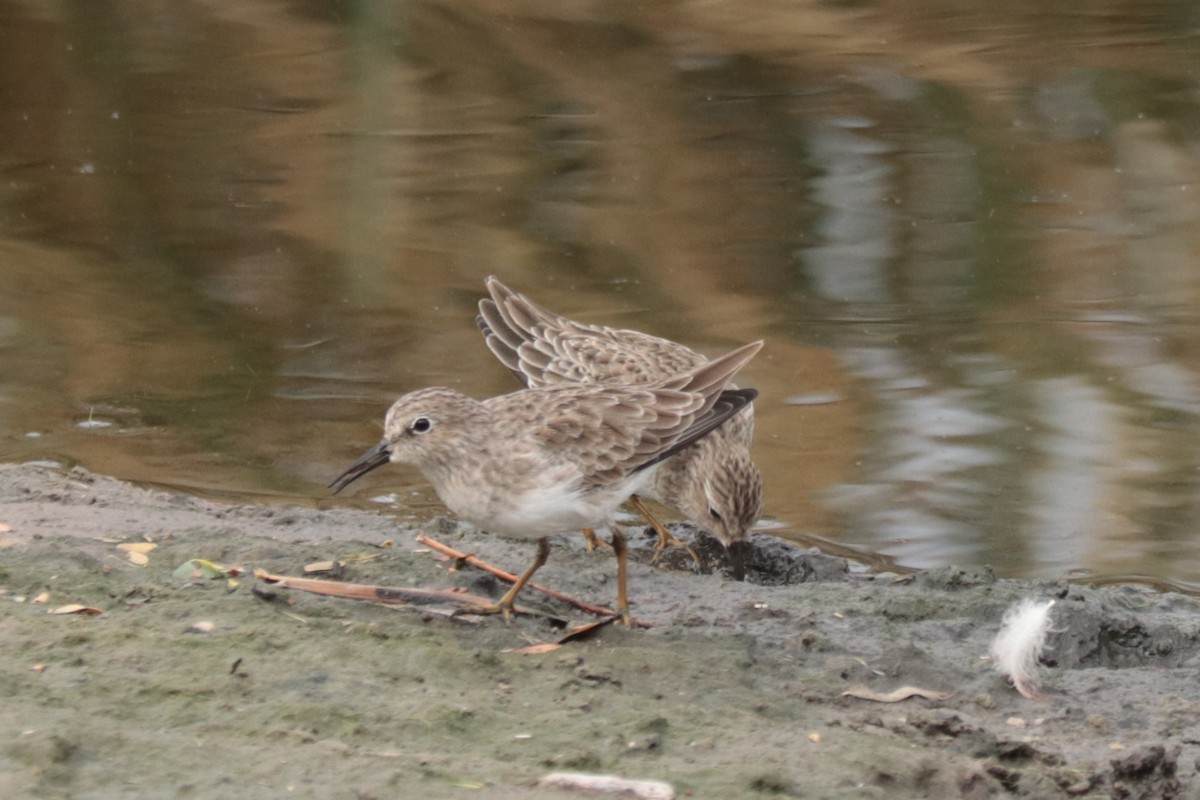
[[736, 690]]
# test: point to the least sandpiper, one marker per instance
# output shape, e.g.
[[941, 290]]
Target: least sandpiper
[[558, 458], [715, 484]]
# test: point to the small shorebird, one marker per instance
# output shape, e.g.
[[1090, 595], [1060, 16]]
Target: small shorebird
[[559, 458], [714, 483]]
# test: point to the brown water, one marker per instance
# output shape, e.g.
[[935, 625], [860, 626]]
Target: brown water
[[230, 234]]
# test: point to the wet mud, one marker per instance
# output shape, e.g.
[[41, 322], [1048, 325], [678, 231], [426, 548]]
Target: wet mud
[[198, 683]]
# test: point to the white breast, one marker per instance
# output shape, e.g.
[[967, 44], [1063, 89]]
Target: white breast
[[529, 509]]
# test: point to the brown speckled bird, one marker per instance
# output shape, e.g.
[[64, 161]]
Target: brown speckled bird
[[714, 483], [556, 458]]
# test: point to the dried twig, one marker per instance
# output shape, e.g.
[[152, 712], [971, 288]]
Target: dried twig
[[609, 784], [896, 695], [377, 594]]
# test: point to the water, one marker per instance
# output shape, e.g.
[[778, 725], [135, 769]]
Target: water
[[230, 236]]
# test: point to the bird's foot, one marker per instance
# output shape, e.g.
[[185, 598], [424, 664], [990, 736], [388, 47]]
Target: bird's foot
[[666, 540], [593, 542], [485, 609]]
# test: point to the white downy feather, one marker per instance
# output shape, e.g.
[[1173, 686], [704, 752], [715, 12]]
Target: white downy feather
[[1020, 642]]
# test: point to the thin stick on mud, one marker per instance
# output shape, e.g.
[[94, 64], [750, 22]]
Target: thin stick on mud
[[376, 594], [446, 550]]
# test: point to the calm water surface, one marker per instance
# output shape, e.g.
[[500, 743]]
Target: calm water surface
[[230, 234]]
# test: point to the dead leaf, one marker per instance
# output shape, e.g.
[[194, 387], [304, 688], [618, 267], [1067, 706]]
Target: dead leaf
[[584, 631], [137, 547], [5, 528], [204, 626], [136, 552], [334, 568], [896, 695], [198, 569], [815, 738], [38, 668], [537, 649], [76, 608], [41, 599]]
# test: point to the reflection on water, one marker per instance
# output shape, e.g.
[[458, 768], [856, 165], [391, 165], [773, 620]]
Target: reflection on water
[[230, 235]]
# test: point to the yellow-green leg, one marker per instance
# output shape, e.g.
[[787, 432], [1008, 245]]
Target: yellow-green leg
[[665, 539], [509, 600], [621, 551], [591, 541]]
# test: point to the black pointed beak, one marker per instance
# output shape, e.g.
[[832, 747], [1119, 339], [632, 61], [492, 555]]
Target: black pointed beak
[[377, 456], [738, 553]]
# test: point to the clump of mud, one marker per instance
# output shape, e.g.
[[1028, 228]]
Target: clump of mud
[[766, 560]]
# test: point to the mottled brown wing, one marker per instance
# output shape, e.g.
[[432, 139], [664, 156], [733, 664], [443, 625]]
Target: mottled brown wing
[[544, 349], [610, 432], [728, 404]]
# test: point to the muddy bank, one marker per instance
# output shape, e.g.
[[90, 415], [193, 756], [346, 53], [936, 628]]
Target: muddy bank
[[736, 690]]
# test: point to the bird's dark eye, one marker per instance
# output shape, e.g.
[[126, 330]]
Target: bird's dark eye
[[712, 512], [420, 425]]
